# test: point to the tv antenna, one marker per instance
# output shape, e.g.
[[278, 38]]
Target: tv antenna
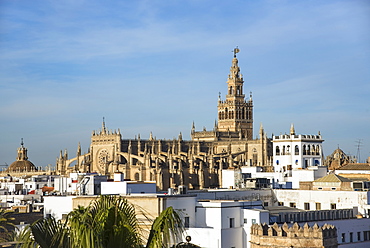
[[358, 145]]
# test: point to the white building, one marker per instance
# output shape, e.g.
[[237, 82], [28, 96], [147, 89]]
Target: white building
[[323, 200], [296, 151]]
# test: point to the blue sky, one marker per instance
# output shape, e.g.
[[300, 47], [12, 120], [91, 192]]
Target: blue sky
[[157, 66]]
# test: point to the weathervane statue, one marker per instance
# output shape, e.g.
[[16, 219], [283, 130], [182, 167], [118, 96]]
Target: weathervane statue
[[236, 50]]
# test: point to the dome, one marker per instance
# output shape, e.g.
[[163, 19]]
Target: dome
[[21, 166]]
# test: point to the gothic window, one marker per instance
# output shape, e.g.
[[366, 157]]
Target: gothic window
[[137, 176], [288, 150], [255, 159], [226, 114], [296, 150], [317, 150], [304, 150], [308, 150], [277, 151]]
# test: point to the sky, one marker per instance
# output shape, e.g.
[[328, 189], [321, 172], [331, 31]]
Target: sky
[[158, 66]]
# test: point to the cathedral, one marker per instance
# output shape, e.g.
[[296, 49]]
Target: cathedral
[[195, 163]]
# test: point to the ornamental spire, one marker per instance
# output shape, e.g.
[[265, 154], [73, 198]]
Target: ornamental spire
[[103, 129]]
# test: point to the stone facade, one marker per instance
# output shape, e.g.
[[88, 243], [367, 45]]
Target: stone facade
[[196, 163], [338, 159], [263, 235]]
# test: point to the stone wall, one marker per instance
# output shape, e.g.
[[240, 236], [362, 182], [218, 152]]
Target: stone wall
[[263, 235]]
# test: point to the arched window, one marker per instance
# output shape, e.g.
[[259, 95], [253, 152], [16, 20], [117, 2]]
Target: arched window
[[231, 90], [226, 114], [304, 150], [317, 150], [283, 150], [277, 151], [296, 150], [137, 178], [308, 150]]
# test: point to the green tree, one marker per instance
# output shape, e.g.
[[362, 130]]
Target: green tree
[[6, 223], [109, 221]]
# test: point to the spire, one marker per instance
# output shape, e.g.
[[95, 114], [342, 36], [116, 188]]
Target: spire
[[235, 70], [292, 131], [103, 129], [193, 128], [262, 131], [79, 149]]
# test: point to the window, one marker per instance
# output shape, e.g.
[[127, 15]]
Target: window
[[245, 221], [277, 151], [187, 222], [254, 221], [296, 150], [333, 206], [343, 237], [358, 236], [319, 188], [265, 204], [318, 205], [136, 176], [280, 203], [232, 222], [306, 206], [292, 205], [350, 237], [366, 235], [333, 188]]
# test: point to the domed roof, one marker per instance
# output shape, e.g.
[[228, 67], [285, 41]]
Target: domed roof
[[22, 164]]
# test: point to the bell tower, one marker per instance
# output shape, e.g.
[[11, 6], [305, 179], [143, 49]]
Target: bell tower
[[235, 114]]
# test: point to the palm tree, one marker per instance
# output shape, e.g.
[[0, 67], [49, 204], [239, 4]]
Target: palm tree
[[6, 223], [109, 221]]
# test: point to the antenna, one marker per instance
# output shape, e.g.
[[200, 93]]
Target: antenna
[[358, 145]]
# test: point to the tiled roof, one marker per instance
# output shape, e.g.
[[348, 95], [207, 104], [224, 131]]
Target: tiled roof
[[355, 166], [333, 178]]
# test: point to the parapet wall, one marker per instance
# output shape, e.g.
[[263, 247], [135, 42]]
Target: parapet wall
[[263, 235]]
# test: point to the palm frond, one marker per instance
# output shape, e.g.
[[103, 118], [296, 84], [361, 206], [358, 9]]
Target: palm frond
[[166, 227]]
